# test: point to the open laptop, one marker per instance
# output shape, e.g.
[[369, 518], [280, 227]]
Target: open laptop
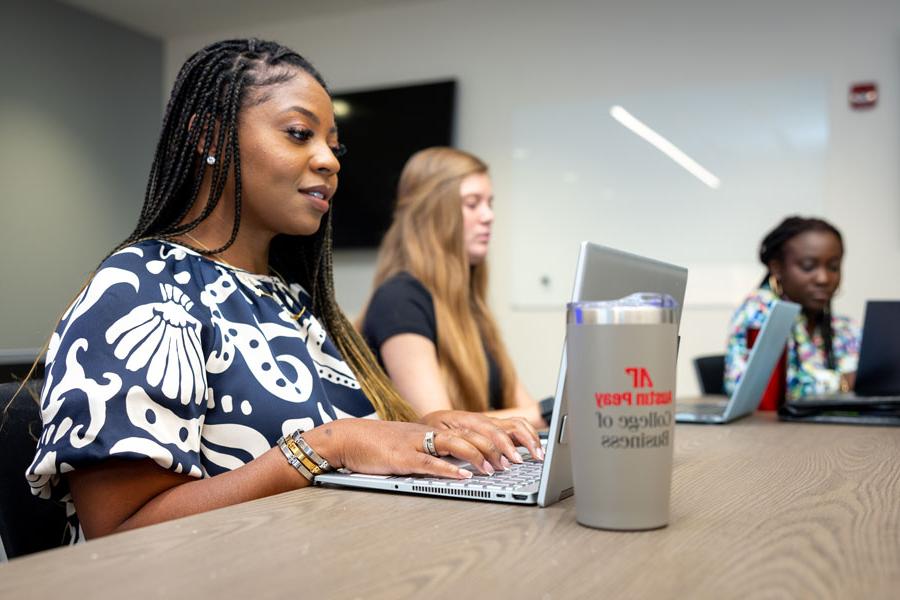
[[763, 356], [878, 371], [601, 274], [876, 398]]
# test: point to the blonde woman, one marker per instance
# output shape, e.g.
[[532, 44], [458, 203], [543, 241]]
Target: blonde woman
[[428, 321]]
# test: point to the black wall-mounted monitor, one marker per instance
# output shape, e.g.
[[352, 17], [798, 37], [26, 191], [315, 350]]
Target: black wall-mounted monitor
[[382, 128]]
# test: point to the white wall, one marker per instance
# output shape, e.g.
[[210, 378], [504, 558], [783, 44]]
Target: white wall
[[79, 118], [509, 55]]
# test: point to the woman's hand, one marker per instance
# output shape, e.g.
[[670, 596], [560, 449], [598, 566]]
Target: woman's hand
[[495, 438], [847, 381], [391, 448]]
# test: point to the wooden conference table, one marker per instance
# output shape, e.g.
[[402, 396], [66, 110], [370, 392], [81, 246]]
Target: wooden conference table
[[759, 509]]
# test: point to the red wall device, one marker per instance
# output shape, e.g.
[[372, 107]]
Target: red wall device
[[863, 95]]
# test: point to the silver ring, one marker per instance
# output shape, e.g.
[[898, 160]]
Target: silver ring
[[428, 444]]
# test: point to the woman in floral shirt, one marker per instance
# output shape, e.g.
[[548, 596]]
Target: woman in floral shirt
[[803, 258]]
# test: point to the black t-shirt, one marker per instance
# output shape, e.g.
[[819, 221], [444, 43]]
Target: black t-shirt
[[403, 305]]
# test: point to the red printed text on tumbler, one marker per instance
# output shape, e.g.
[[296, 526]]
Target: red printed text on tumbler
[[639, 378]]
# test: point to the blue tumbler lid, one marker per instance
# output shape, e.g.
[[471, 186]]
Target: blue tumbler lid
[[640, 307]]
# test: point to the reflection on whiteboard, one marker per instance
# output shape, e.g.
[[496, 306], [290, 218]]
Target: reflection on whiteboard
[[579, 174]]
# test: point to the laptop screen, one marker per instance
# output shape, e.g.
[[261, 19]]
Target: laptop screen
[[878, 373]]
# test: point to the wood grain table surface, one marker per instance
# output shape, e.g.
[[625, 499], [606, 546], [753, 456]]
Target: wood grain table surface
[[760, 509]]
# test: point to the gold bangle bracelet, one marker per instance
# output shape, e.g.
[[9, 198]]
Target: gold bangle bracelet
[[301, 456], [294, 462], [295, 449], [309, 464], [308, 451]]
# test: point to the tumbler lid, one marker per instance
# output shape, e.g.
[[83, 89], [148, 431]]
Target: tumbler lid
[[639, 308]]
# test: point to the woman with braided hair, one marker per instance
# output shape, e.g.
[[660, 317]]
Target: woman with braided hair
[[206, 363], [803, 260]]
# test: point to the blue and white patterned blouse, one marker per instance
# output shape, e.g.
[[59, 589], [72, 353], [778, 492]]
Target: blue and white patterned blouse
[[194, 364]]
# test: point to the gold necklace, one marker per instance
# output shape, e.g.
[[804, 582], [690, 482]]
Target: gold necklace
[[259, 292]]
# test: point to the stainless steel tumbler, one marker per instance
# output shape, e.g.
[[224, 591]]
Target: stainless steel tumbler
[[621, 383]]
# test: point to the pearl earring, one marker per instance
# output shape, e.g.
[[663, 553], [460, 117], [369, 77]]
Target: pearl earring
[[210, 160]]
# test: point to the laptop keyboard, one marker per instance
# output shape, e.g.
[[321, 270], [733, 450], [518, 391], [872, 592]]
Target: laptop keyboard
[[848, 398], [522, 477], [703, 409]]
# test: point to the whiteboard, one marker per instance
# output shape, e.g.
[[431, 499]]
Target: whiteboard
[[578, 174]]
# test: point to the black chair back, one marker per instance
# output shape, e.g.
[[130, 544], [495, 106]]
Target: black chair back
[[711, 373], [27, 523], [15, 366]]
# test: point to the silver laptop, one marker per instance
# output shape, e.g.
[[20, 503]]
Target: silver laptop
[[601, 274], [765, 353]]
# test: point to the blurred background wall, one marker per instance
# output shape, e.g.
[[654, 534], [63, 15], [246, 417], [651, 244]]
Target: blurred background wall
[[756, 92], [80, 105]]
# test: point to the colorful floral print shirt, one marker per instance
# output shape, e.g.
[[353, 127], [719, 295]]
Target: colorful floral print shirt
[[807, 371]]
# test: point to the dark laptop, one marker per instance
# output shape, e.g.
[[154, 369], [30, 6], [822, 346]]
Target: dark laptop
[[876, 398]]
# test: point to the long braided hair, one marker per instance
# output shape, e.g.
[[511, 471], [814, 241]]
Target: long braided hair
[[212, 87], [772, 248]]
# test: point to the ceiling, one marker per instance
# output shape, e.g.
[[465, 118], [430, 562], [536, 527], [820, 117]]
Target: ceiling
[[173, 18]]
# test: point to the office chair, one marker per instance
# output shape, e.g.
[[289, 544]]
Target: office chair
[[27, 523], [711, 373], [16, 368]]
